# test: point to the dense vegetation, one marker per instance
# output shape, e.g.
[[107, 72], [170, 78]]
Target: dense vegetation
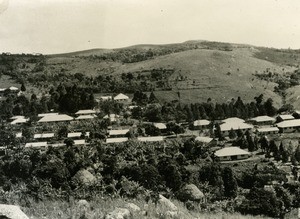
[[139, 170]]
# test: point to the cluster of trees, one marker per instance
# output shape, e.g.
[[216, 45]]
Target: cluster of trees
[[70, 99], [175, 111], [67, 99], [132, 55], [243, 140], [283, 81]]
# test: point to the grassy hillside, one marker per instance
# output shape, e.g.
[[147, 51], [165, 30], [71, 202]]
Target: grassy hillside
[[293, 96], [199, 69], [220, 75]]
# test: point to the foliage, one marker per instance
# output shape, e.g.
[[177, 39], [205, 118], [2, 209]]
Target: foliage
[[230, 183], [260, 201]]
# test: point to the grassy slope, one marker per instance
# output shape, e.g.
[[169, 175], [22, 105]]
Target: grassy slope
[[209, 68], [293, 96], [206, 71]]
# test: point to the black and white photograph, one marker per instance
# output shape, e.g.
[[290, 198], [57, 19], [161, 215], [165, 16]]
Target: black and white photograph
[[149, 109]]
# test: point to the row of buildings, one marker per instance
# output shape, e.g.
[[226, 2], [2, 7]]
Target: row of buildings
[[259, 124]]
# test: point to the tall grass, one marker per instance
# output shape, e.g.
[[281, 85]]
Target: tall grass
[[100, 206]]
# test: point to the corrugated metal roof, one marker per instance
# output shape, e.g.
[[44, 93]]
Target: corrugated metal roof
[[57, 145], [77, 134], [235, 126], [19, 120], [201, 122], [151, 138], [203, 139], [82, 112], [230, 151], [46, 114], [160, 125], [116, 140], [286, 117], [268, 129], [56, 118], [17, 117], [79, 142], [263, 119], [289, 123], [233, 120], [13, 88], [85, 117], [44, 135], [121, 96], [118, 132], [36, 144], [106, 97]]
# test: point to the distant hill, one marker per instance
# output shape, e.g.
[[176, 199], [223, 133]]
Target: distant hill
[[82, 53], [199, 69]]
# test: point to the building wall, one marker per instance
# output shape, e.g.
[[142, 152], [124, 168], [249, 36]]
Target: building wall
[[263, 123], [226, 133], [239, 157], [225, 158], [287, 129], [201, 127], [270, 132]]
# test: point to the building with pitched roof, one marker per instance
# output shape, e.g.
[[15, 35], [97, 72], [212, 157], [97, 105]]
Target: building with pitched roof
[[56, 118], [18, 120], [36, 144], [121, 98], [103, 98], [289, 125], [116, 140], [77, 134], [286, 117], [80, 142], [204, 139], [84, 117], [262, 120], [47, 114], [150, 138], [296, 114], [43, 135], [85, 112], [233, 120], [234, 124], [117, 133], [201, 124], [160, 126], [267, 130], [231, 153]]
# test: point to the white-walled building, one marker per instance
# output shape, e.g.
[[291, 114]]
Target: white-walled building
[[121, 98], [231, 153], [289, 125], [201, 124]]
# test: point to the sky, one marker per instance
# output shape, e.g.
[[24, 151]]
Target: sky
[[58, 26]]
